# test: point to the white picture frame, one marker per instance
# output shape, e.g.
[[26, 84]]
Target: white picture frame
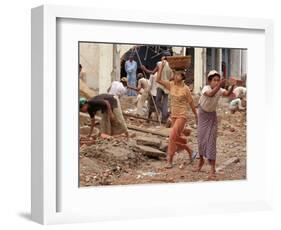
[[56, 199]]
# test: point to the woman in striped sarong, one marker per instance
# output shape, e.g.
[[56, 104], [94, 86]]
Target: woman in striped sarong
[[207, 120]]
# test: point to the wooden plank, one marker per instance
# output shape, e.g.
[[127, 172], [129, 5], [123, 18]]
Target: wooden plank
[[159, 133], [149, 141], [150, 152], [138, 117]]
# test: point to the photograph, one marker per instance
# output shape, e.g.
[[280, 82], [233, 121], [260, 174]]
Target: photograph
[[153, 113]]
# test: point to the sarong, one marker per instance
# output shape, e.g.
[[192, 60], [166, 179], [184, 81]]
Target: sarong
[[207, 133], [117, 127]]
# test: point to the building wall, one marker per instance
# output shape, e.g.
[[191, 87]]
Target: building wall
[[206, 59], [200, 67], [101, 63], [105, 71], [90, 64]]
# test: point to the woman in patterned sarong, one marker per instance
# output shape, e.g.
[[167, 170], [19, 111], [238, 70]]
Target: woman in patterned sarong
[[207, 120]]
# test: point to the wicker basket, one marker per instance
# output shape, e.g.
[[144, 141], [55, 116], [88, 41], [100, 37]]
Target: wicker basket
[[179, 62]]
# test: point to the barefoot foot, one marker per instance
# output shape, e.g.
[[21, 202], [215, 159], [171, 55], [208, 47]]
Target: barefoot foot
[[200, 165], [168, 165], [212, 176]]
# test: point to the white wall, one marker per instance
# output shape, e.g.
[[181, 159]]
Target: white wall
[[199, 69], [101, 63], [123, 49], [90, 64]]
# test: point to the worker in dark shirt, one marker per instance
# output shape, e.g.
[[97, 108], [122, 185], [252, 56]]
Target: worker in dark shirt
[[112, 122]]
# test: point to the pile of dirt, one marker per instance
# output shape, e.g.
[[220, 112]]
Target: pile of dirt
[[106, 160]]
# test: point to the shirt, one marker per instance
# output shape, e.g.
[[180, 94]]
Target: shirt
[[235, 102], [144, 84], [180, 98], [153, 84], [209, 104], [131, 67], [98, 103], [240, 91], [166, 74], [117, 89]]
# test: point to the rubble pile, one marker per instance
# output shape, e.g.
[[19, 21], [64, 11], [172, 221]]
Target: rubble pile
[[141, 159], [106, 160]]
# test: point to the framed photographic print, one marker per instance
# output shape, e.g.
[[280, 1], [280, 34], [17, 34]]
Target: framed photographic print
[[143, 114]]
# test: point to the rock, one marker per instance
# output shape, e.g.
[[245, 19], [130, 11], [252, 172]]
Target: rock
[[87, 179], [163, 146], [227, 163], [150, 174], [119, 153], [148, 141], [105, 136], [132, 135], [84, 119], [84, 130], [150, 152]]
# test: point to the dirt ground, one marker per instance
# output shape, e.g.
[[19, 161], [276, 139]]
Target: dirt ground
[[119, 161]]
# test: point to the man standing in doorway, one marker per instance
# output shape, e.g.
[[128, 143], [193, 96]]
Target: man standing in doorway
[[131, 70]]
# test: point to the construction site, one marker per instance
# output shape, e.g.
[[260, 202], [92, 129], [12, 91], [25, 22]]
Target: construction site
[[140, 157]]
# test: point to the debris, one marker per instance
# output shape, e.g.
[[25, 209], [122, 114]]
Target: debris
[[84, 130], [84, 119], [163, 146], [105, 136], [150, 174], [120, 161], [139, 117], [132, 135], [228, 162]]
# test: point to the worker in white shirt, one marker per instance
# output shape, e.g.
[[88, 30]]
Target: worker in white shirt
[[143, 89], [118, 88], [240, 91], [236, 103], [152, 97]]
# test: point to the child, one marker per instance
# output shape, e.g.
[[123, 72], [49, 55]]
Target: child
[[207, 120], [184, 146]]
